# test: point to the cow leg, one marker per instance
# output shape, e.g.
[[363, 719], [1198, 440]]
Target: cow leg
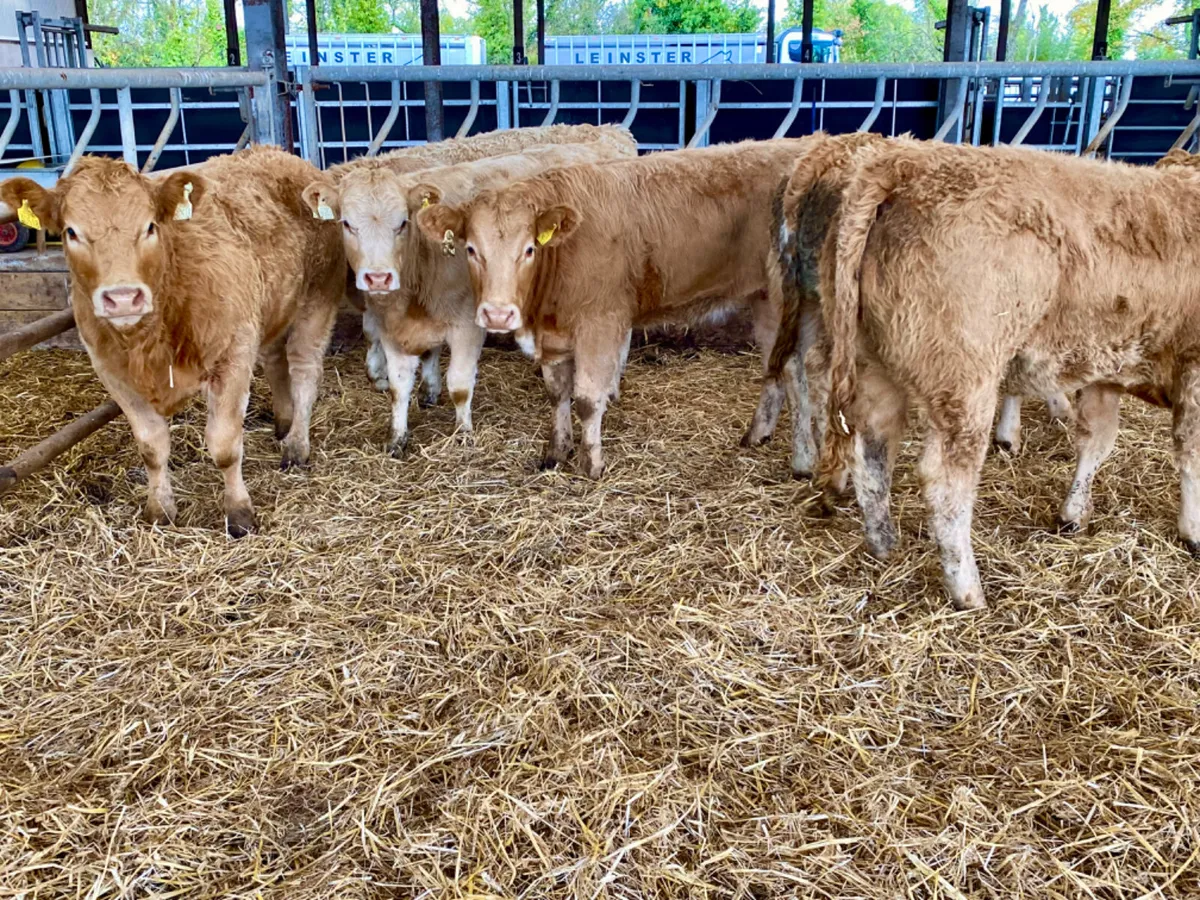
[[402, 375], [227, 400], [881, 425], [1187, 455], [615, 395], [560, 384], [275, 366], [1059, 407], [152, 435], [306, 359], [431, 377], [816, 382], [376, 361], [1008, 426], [949, 469], [466, 343], [1095, 436], [596, 367], [766, 317], [799, 388]]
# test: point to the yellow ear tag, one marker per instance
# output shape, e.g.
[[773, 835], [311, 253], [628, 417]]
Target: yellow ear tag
[[424, 201], [183, 211], [448, 243], [324, 211], [544, 237], [26, 217]]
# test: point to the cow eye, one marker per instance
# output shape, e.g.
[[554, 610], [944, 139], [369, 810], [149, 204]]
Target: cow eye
[[470, 250], [348, 227], [529, 252], [150, 230], [71, 235], [403, 225]]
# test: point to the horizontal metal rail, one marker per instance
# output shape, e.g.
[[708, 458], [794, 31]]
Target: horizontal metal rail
[[41, 455], [815, 72], [114, 79], [35, 332]]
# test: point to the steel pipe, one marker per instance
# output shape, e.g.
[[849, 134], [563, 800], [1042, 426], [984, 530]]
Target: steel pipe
[[465, 128], [386, 128], [40, 456], [1030, 120], [86, 135], [14, 119], [877, 107], [35, 332], [793, 110], [714, 104], [1113, 118], [635, 98], [167, 129], [553, 110]]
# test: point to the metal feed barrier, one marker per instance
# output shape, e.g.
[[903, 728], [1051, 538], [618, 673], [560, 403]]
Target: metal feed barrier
[[1066, 106], [142, 115]]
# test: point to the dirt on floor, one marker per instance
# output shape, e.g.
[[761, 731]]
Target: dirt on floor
[[457, 676]]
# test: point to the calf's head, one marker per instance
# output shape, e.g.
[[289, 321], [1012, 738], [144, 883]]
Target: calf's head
[[504, 236], [374, 206], [116, 226]]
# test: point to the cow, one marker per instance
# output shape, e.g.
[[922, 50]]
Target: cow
[[570, 260], [447, 153], [180, 283], [804, 213], [419, 296], [959, 269]]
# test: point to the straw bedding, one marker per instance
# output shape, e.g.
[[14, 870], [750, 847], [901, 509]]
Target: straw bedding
[[455, 676]]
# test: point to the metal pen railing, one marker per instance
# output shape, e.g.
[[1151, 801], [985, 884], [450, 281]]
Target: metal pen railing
[[1086, 92]]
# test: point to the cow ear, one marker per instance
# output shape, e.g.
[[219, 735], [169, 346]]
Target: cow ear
[[555, 225], [31, 204], [322, 197], [421, 197], [438, 218], [178, 195]]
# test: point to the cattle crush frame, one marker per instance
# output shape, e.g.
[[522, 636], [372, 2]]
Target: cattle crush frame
[[957, 102]]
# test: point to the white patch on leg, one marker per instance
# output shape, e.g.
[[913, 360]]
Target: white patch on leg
[[526, 342], [1008, 428]]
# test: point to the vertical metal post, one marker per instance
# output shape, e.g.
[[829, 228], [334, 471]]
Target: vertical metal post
[[128, 138], [310, 19], [806, 30], [1100, 36], [958, 38], [233, 50], [265, 50], [1002, 30], [310, 141], [1194, 43], [518, 32], [541, 31], [770, 31], [431, 46]]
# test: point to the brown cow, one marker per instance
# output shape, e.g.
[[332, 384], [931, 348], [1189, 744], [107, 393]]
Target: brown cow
[[804, 218], [576, 257], [418, 295], [179, 283], [959, 267], [447, 153]]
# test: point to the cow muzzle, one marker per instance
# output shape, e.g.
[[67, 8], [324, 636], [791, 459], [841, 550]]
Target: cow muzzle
[[378, 281], [123, 305], [498, 317]]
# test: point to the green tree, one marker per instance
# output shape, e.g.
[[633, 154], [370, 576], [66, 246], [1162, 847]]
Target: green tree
[[160, 32], [876, 30], [693, 16]]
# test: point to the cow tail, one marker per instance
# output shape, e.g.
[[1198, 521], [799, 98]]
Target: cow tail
[[824, 155], [870, 185]]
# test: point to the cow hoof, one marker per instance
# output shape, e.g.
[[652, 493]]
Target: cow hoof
[[971, 601], [549, 463], [802, 474], [282, 427], [594, 471], [751, 439], [291, 460], [1192, 547], [381, 384], [160, 515], [240, 522], [397, 447], [1007, 446], [425, 401], [880, 546], [1067, 526]]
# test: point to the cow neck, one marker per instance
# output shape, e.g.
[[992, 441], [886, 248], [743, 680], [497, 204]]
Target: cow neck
[[420, 277]]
